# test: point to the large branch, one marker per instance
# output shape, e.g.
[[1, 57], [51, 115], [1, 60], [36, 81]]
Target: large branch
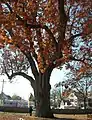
[[79, 34], [32, 81], [61, 6], [33, 65], [81, 60], [74, 36], [31, 62], [35, 26], [63, 22]]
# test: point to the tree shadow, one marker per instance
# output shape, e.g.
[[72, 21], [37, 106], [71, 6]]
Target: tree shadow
[[65, 119], [55, 118]]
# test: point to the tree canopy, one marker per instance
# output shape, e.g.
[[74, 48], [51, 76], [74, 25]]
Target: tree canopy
[[29, 25]]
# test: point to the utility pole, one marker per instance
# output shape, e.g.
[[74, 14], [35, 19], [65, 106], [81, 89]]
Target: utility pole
[[2, 93]]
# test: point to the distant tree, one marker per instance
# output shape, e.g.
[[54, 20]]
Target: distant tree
[[47, 34], [55, 97], [31, 97], [81, 85], [65, 90], [16, 97]]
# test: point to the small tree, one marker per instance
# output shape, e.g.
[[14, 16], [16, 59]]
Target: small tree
[[55, 97], [32, 101], [31, 97], [16, 97]]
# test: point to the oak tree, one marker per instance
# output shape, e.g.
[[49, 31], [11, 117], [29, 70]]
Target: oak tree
[[48, 34]]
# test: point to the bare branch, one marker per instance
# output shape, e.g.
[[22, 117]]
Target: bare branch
[[31, 80], [74, 36], [9, 7], [81, 60], [61, 6]]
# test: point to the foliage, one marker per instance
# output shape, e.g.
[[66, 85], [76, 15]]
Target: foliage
[[30, 26], [55, 98], [12, 61], [16, 97], [79, 84], [82, 84], [31, 97]]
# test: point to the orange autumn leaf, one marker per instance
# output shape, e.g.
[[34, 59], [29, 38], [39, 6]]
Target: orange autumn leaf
[[43, 26]]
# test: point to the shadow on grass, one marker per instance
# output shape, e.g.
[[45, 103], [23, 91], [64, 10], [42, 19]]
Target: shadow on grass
[[55, 118], [64, 119], [52, 119]]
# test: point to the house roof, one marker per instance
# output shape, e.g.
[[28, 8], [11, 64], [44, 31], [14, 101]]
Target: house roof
[[4, 96]]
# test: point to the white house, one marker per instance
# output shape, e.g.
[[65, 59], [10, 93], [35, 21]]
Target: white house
[[70, 101], [73, 99]]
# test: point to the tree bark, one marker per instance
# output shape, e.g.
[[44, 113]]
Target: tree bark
[[85, 104], [42, 96]]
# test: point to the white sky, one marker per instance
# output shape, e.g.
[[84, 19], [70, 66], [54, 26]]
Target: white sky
[[22, 87]]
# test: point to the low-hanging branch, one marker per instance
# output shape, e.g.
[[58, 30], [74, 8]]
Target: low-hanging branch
[[31, 80]]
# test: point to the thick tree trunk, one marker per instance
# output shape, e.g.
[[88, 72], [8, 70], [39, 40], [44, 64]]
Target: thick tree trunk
[[85, 104], [42, 96]]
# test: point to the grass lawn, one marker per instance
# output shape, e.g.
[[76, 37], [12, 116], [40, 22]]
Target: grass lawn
[[20, 116]]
